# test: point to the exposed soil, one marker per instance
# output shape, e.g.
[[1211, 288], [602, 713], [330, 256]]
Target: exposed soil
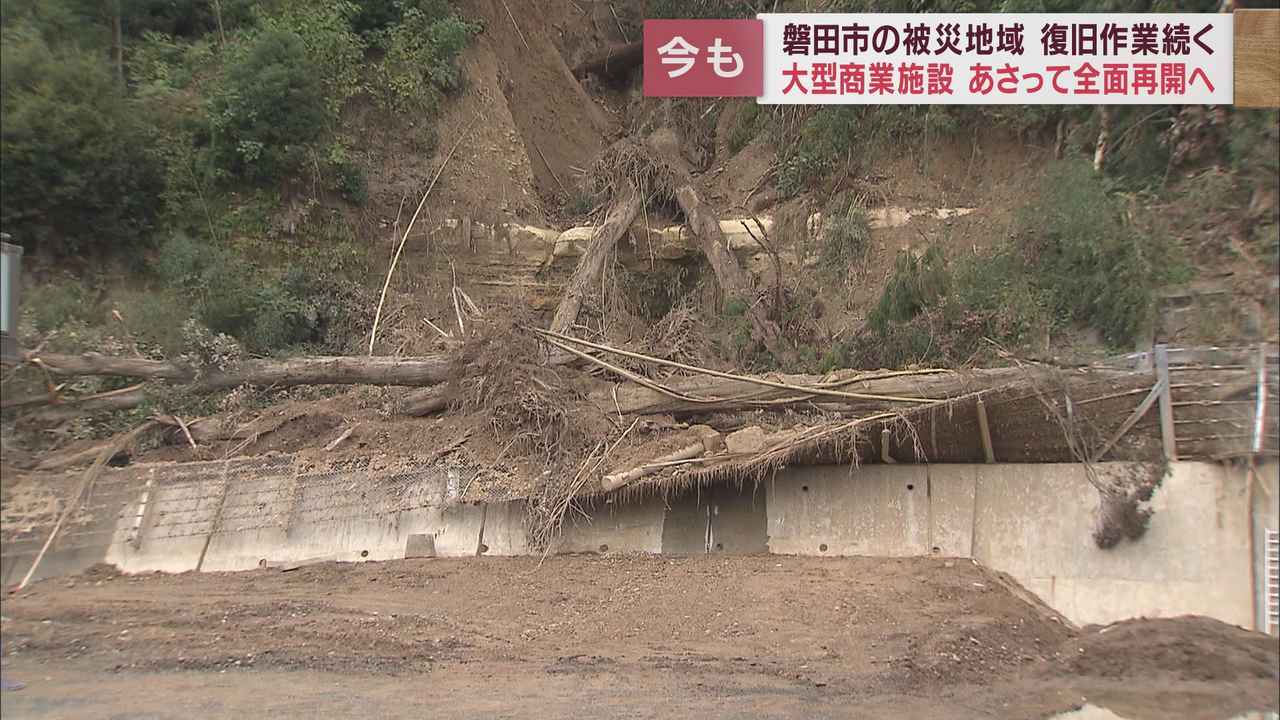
[[735, 637], [1186, 648]]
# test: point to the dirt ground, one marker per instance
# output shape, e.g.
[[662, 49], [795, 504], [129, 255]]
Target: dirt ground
[[617, 636]]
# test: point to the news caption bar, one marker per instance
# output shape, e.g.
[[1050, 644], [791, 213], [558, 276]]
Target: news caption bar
[[960, 59]]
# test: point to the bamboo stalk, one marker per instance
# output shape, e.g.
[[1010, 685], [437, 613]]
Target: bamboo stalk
[[730, 376], [89, 476]]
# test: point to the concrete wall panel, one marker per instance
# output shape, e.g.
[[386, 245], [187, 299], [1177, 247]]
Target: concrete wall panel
[[504, 529], [636, 527], [951, 508], [878, 510], [177, 519], [737, 518], [1036, 523]]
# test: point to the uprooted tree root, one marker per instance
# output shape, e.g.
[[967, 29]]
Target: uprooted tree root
[[531, 407], [628, 163], [1122, 510], [1122, 513], [535, 413]]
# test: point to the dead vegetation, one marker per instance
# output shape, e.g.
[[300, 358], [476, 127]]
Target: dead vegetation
[[529, 406], [628, 163]]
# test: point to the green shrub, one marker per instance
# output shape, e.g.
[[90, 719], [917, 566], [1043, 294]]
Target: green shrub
[[332, 48], [375, 16], [800, 172], [747, 124], [155, 318], [349, 177], [76, 173], [944, 312], [420, 62], [184, 18], [1074, 260], [735, 307], [993, 295], [51, 305], [270, 106], [264, 312], [916, 283], [846, 243], [1097, 269]]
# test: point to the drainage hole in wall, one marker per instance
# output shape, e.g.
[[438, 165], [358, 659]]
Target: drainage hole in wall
[[483, 548], [822, 547], [911, 487], [719, 546], [364, 553], [604, 548], [937, 550], [804, 488]]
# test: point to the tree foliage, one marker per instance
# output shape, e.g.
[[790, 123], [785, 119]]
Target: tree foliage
[[270, 105], [76, 175], [210, 96]]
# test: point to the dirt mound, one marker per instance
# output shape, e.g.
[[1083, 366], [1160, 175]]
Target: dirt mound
[[1188, 648], [1003, 629], [100, 571]]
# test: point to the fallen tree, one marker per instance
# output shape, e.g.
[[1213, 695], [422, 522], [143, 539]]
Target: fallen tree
[[734, 281], [422, 402], [728, 394], [331, 370], [614, 63], [621, 214], [99, 364], [122, 399]]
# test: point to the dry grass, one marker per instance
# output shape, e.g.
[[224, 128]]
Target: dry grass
[[529, 407], [629, 163]]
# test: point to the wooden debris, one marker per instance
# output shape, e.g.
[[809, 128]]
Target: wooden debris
[[338, 440], [621, 214], [615, 62], [118, 444], [984, 429], [709, 442]]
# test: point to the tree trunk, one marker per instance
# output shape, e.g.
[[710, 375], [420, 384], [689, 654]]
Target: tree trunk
[[631, 399], [735, 281], [117, 41], [123, 399], [591, 265], [217, 14], [422, 402], [98, 364], [425, 370], [1105, 115], [616, 62], [709, 442]]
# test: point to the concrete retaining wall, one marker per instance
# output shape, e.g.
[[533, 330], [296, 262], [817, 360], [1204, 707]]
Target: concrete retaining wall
[[1037, 525], [871, 510], [1035, 522]]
